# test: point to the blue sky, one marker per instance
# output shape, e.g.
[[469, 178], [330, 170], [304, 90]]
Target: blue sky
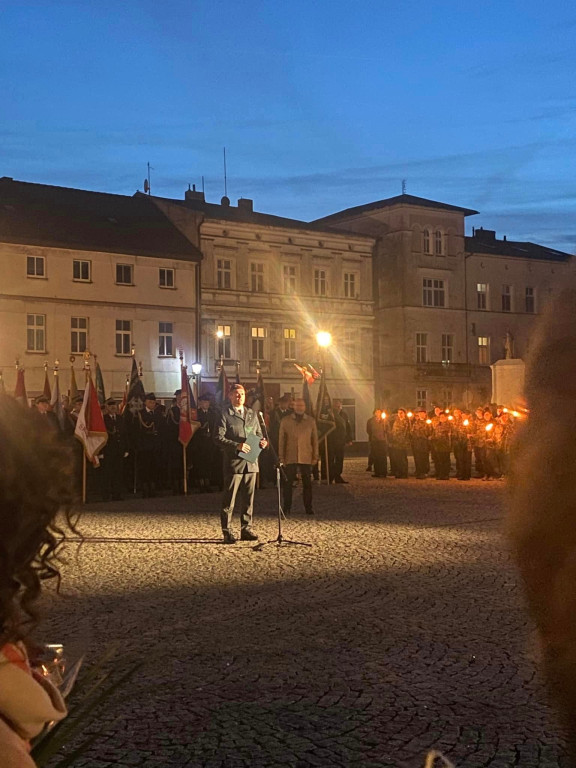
[[321, 105]]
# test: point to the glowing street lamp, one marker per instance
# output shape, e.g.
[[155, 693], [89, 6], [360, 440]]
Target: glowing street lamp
[[324, 339], [196, 369]]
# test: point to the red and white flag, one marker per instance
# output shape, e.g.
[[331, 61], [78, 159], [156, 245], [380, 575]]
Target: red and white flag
[[188, 411], [90, 427]]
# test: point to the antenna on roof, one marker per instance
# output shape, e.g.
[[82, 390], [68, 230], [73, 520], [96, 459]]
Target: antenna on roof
[[225, 175], [403, 186], [202, 184], [147, 187]]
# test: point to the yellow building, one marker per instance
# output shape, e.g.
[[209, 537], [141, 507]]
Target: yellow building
[[85, 271]]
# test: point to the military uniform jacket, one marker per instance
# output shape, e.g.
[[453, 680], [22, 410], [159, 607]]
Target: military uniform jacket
[[230, 433], [148, 426], [442, 437], [115, 428], [420, 434]]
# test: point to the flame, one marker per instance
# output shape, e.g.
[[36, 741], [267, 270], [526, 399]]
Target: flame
[[428, 421], [450, 418], [383, 415], [410, 414], [466, 422], [489, 427]]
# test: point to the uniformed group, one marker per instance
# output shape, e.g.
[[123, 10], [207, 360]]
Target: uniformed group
[[484, 436]]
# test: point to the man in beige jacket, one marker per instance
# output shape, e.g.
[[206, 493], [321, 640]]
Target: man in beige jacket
[[298, 452]]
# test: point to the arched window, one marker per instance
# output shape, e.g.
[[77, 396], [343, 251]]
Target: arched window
[[426, 241], [438, 243]]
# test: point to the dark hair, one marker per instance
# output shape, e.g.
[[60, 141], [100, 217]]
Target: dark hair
[[35, 486]]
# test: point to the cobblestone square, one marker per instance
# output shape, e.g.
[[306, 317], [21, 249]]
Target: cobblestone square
[[401, 629]]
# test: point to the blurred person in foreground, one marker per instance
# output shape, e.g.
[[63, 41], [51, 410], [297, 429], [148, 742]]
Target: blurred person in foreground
[[35, 501], [542, 511], [298, 451]]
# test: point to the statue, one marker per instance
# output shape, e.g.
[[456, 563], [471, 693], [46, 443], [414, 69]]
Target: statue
[[508, 346]]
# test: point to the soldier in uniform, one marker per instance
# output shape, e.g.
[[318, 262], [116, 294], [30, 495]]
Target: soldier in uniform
[[399, 441], [114, 453], [442, 442], [338, 439], [461, 444], [479, 442], [378, 437], [205, 456], [491, 447], [148, 427], [48, 419], [508, 429], [420, 435], [174, 455]]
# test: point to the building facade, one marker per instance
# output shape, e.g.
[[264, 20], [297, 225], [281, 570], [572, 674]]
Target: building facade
[[269, 284], [446, 305], [85, 272]]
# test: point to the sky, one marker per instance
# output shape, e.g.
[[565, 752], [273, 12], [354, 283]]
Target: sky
[[321, 104]]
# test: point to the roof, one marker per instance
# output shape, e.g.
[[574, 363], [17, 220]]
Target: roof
[[514, 248], [246, 216], [420, 202], [61, 217]]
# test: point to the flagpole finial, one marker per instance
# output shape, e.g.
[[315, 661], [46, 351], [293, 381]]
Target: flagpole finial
[[133, 350], [181, 356], [95, 358], [46, 366], [72, 359], [140, 369], [17, 363]]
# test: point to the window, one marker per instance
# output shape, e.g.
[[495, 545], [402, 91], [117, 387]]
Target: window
[[421, 347], [433, 293], [483, 350], [481, 296], [257, 278], [289, 343], [350, 285], [421, 398], [36, 333], [447, 398], [123, 337], [35, 266], [447, 348], [78, 334], [165, 340], [351, 348], [288, 279], [258, 338], [81, 270], [320, 283], [438, 243], [124, 274], [506, 298], [224, 273], [166, 278], [530, 304], [426, 241], [224, 344]]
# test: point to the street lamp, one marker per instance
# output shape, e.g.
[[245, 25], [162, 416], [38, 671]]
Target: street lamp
[[324, 339]]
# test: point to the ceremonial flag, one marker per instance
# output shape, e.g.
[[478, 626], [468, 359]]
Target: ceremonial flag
[[222, 387], [56, 402], [259, 395], [20, 391], [100, 385], [325, 421], [73, 387], [124, 397], [135, 397], [90, 427], [47, 391], [189, 423], [305, 373]]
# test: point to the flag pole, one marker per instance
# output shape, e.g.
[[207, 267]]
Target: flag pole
[[83, 477], [185, 471], [184, 468]]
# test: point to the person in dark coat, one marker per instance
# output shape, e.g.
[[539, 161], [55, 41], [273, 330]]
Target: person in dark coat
[[204, 455], [173, 455], [338, 439], [236, 423], [378, 441], [399, 440], [48, 418], [148, 427], [114, 453], [420, 434], [442, 443]]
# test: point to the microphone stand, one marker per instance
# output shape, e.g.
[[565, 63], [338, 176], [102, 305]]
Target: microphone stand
[[279, 541]]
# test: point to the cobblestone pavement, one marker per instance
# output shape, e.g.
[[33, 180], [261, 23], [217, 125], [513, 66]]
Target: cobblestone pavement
[[401, 629]]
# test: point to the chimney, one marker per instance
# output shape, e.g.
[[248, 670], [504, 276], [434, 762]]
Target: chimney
[[245, 204], [191, 194], [485, 235]]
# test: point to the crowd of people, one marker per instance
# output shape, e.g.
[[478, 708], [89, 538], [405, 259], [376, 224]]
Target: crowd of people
[[484, 435]]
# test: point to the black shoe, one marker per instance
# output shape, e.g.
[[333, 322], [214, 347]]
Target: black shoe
[[309, 511], [248, 535], [229, 538], [368, 469], [340, 481]]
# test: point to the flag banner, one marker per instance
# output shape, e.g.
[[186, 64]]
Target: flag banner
[[46, 390], [90, 427], [222, 387], [73, 386], [100, 385], [56, 402], [313, 371], [305, 373], [189, 423], [135, 397], [259, 395], [325, 421], [20, 391], [306, 396]]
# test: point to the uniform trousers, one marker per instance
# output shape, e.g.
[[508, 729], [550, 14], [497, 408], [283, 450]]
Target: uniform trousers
[[379, 457], [243, 486], [291, 471], [421, 459], [442, 464], [463, 457], [399, 462]]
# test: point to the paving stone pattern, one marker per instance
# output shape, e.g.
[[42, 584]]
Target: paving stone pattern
[[400, 630]]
